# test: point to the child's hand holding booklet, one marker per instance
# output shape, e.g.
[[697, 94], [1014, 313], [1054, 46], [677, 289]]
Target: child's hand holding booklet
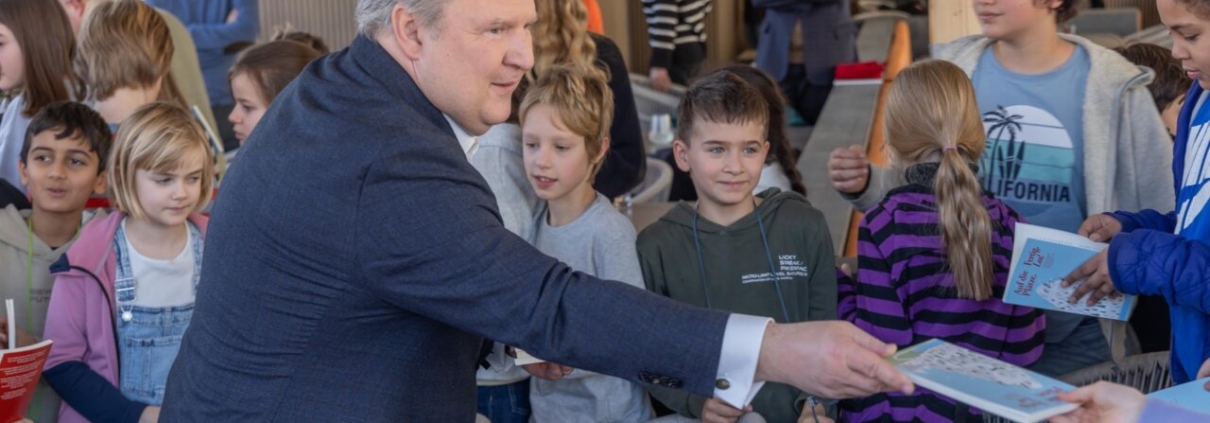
[[20, 369]]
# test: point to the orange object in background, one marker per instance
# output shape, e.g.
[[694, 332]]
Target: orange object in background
[[899, 56], [595, 24]]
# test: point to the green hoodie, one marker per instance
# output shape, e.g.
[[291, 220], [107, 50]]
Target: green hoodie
[[738, 279]]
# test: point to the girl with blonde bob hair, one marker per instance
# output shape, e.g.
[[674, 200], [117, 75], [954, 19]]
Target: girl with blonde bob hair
[[158, 138], [933, 256], [124, 291]]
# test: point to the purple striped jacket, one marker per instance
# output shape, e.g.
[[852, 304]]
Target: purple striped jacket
[[904, 294]]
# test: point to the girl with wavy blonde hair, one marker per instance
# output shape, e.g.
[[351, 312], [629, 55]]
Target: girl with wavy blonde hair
[[933, 256], [561, 36]]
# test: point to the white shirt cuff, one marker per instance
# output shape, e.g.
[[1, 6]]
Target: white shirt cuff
[[499, 359], [736, 384]]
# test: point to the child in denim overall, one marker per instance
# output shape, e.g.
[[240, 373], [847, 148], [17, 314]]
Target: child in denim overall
[[124, 292]]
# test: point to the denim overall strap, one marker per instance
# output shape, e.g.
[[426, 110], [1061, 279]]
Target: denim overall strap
[[150, 339], [195, 235], [124, 285]]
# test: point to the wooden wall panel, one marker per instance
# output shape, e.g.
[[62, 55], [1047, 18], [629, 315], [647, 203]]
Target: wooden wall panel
[[332, 20], [1151, 16], [950, 19]]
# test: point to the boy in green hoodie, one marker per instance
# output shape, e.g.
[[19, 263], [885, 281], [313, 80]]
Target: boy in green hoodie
[[766, 255], [62, 164]]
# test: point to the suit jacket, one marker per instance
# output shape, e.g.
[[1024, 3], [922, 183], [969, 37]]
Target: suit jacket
[[829, 37], [355, 260]]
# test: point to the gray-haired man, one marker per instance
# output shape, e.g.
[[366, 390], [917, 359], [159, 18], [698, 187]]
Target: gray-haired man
[[355, 258]]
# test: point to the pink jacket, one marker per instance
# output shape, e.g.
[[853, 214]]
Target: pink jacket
[[81, 316]]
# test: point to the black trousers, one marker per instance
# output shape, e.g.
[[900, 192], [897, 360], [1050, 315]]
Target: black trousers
[[686, 61]]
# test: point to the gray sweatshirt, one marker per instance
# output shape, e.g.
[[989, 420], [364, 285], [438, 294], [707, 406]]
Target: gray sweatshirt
[[499, 161], [601, 242]]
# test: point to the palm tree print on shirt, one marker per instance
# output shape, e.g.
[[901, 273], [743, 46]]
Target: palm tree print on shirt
[[1002, 121], [1029, 158]]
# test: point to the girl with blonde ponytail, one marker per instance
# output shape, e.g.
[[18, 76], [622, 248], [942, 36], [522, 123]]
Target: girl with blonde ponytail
[[933, 256]]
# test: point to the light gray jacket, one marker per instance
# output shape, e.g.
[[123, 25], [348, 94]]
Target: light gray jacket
[[1127, 151], [499, 160]]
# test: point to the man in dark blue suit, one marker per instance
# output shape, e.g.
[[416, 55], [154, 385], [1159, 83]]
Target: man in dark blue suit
[[355, 260]]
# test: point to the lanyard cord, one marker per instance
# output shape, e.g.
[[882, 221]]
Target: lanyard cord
[[701, 264], [29, 274], [773, 271], [36, 404]]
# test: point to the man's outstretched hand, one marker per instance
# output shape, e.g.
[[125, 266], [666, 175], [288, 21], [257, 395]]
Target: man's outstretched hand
[[833, 359]]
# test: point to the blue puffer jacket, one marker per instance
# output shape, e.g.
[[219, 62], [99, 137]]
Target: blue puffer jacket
[[1148, 258]]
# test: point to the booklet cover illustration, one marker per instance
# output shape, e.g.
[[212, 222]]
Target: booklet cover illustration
[[1190, 395], [20, 370], [1042, 257], [983, 382]]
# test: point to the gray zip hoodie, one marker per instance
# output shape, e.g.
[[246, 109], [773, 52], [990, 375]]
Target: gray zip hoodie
[[1127, 151], [25, 277]]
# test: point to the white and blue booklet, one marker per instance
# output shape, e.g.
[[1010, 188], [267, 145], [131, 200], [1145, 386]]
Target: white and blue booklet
[[983, 382], [1190, 395], [1042, 257]]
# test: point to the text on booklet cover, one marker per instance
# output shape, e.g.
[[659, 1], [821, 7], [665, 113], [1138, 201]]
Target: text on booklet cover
[[1042, 257]]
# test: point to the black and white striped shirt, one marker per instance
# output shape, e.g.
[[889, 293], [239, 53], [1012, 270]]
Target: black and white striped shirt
[[674, 22]]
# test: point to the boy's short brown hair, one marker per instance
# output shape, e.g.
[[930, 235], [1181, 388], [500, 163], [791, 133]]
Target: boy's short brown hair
[[1170, 81], [720, 97]]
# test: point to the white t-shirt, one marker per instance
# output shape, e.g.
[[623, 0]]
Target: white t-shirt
[[162, 283]]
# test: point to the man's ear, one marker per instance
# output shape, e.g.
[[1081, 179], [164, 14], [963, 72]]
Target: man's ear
[[680, 152], [406, 30]]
